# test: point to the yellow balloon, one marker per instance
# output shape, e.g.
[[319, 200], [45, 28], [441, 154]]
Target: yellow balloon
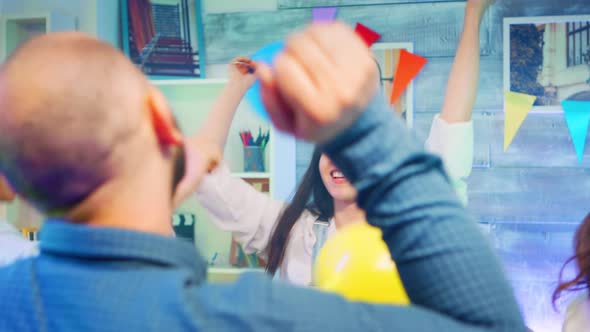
[[357, 264]]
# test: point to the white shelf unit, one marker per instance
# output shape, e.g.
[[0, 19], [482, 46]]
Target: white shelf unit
[[253, 175], [16, 29], [191, 100], [229, 274]]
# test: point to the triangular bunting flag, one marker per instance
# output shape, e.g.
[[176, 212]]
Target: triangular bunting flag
[[368, 35], [324, 14], [516, 108], [408, 67], [265, 55], [577, 116]]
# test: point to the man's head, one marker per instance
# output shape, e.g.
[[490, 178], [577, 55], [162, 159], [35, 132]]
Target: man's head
[[79, 123]]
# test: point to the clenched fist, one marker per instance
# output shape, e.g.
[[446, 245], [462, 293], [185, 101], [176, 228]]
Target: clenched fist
[[321, 82]]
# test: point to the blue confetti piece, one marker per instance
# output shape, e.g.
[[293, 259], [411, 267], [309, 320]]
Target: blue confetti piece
[[265, 55], [577, 117]]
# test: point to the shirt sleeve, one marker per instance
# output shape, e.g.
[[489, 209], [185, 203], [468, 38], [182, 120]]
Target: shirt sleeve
[[453, 142], [445, 262], [236, 206]]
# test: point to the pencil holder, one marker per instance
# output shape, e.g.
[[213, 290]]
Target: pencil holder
[[253, 159]]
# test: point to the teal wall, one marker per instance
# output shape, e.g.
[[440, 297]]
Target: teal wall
[[108, 22], [96, 17]]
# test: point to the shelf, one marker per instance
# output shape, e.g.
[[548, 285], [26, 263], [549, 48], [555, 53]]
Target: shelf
[[18, 28], [252, 175], [227, 274]]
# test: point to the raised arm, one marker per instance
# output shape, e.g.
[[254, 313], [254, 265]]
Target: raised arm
[[462, 84], [237, 207], [204, 149], [452, 276], [451, 134], [232, 203], [216, 126]]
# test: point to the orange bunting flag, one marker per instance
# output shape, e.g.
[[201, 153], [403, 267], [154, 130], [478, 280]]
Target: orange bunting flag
[[409, 66]]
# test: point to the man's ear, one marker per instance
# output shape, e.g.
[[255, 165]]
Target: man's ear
[[6, 193], [163, 122]]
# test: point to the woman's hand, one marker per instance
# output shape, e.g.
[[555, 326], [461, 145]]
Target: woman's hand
[[241, 72], [479, 6]]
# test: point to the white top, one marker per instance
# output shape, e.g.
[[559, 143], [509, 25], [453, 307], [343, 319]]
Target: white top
[[251, 215], [454, 144], [577, 316], [13, 245]]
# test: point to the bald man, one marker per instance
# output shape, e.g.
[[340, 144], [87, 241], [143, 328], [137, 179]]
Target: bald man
[[12, 244], [89, 141]]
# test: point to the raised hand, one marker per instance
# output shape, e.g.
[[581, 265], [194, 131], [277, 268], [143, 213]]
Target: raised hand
[[479, 6], [321, 83], [241, 72]]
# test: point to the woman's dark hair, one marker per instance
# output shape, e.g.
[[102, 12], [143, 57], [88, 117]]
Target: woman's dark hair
[[311, 195], [582, 258]]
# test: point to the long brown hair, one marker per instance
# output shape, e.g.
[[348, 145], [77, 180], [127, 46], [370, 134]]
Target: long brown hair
[[582, 258], [311, 195]]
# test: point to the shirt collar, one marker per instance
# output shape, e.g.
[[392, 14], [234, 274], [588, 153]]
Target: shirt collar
[[66, 239]]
